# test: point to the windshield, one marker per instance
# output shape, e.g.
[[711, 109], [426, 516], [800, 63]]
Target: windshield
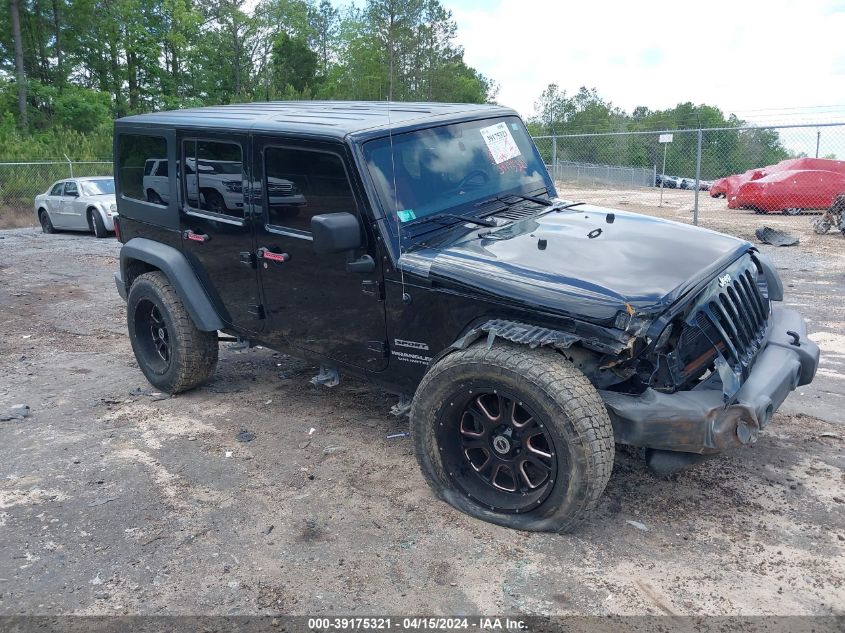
[[98, 187], [448, 169]]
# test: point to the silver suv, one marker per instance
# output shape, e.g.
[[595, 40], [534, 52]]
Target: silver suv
[[216, 184]]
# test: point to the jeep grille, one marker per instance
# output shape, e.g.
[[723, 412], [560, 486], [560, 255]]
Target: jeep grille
[[731, 317]]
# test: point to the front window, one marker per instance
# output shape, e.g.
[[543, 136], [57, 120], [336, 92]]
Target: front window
[[453, 168], [102, 187]]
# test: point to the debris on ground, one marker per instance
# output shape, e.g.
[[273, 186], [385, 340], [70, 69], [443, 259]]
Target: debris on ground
[[16, 412], [775, 237], [245, 436], [393, 436], [327, 377], [330, 450], [154, 395], [102, 501], [638, 525]]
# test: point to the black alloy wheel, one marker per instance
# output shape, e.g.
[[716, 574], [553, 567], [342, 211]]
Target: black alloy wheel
[[497, 451], [152, 334]]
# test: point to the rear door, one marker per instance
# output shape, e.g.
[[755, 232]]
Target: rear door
[[53, 202], [217, 224], [312, 301]]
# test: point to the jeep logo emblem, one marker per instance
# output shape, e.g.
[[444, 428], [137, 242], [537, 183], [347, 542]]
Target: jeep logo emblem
[[501, 444], [724, 280]]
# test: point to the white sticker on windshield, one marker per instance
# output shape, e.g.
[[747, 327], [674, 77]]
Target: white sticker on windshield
[[500, 142]]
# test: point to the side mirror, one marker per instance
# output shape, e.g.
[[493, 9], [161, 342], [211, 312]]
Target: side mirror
[[335, 233]]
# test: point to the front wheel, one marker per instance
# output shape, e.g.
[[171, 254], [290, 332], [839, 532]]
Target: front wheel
[[173, 354], [95, 223], [513, 436]]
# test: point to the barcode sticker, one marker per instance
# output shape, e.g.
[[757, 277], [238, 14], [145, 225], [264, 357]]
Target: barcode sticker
[[500, 142]]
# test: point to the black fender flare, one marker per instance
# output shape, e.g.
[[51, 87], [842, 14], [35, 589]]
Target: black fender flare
[[180, 274], [513, 331]]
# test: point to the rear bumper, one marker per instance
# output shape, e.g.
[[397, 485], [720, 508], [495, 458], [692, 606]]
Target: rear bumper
[[698, 421]]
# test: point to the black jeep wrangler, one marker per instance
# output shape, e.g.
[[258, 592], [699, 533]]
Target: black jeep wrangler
[[424, 247]]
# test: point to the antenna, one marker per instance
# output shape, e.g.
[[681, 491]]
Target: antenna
[[406, 298]]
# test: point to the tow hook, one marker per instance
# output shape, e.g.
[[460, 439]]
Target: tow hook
[[796, 338]]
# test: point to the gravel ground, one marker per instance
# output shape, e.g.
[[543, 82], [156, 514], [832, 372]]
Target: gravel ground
[[118, 500]]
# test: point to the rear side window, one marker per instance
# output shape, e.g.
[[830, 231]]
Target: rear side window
[[214, 180], [161, 169], [302, 184], [136, 156], [57, 189]]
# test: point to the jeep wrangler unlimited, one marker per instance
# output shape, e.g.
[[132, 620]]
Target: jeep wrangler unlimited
[[425, 249]]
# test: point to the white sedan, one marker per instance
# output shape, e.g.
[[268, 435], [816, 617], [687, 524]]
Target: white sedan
[[78, 204]]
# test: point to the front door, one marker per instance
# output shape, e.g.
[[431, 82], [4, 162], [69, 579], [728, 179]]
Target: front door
[[217, 224], [72, 216], [312, 301]]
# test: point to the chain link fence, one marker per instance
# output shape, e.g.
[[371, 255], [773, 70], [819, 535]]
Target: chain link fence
[[716, 177], [21, 182], [721, 178]]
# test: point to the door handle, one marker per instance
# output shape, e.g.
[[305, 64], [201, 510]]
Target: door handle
[[202, 238], [266, 254]]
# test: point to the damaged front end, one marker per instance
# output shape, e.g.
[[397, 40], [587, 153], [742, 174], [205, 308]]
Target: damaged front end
[[721, 331], [719, 367]]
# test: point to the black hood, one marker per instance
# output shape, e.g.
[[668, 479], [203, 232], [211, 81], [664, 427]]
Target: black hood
[[588, 262]]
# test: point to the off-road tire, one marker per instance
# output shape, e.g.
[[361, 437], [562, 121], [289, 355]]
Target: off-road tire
[[45, 222], [193, 353], [571, 409], [95, 222]]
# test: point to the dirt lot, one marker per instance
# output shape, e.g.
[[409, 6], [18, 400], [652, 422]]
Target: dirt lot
[[115, 499]]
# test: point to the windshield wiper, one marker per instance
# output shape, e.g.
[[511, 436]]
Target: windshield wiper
[[503, 199], [455, 216]]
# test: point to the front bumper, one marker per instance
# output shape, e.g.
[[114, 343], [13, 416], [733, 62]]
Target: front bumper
[[698, 421]]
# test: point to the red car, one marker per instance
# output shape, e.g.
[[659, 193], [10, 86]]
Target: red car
[[727, 187], [791, 191], [795, 164]]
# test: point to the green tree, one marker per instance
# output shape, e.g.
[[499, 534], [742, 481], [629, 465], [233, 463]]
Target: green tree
[[294, 64]]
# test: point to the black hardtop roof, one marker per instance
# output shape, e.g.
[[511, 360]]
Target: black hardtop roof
[[336, 119]]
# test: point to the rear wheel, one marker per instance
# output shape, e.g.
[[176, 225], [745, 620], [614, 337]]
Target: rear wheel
[[44, 220], [793, 211], [514, 436], [173, 354]]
